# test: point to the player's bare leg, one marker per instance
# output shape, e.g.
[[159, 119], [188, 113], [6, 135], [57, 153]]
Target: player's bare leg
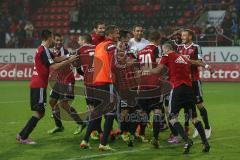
[[56, 116], [73, 113]]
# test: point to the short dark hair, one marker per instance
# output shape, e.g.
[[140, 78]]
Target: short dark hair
[[190, 32], [137, 25], [110, 29], [123, 33], [154, 35], [57, 35], [46, 34], [86, 37], [96, 24]]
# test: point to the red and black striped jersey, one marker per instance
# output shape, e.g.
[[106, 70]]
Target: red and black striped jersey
[[193, 52], [42, 60], [65, 74]]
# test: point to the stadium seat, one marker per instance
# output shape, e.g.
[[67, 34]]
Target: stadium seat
[[188, 13], [53, 3], [157, 7], [181, 21]]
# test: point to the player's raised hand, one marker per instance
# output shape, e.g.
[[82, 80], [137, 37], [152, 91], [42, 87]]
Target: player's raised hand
[[210, 68]]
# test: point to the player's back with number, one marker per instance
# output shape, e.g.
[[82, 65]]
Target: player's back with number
[[86, 53], [148, 57]]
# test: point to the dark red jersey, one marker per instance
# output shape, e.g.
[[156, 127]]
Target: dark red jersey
[[193, 52], [178, 68], [42, 61], [123, 74], [147, 58], [65, 74], [86, 53], [96, 39]]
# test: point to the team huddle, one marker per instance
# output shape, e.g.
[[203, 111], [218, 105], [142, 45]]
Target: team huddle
[[127, 79]]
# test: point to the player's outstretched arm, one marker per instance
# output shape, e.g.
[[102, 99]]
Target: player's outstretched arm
[[202, 64], [71, 59], [60, 59], [198, 63], [156, 70]]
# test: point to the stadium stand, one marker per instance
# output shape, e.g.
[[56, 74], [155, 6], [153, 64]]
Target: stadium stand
[[73, 17]]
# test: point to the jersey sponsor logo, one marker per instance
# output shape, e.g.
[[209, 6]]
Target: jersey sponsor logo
[[186, 56], [180, 60]]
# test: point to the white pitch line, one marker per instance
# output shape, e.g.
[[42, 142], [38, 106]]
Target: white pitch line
[[143, 149], [107, 154], [5, 102]]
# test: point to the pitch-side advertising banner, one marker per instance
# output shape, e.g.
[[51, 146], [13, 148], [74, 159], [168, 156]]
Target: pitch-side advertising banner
[[224, 72], [17, 64]]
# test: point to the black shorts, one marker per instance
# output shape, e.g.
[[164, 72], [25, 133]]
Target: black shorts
[[62, 92], [38, 98], [182, 97], [94, 97], [150, 104], [197, 89], [89, 96]]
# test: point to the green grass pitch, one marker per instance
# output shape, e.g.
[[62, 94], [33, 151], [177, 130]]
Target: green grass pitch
[[221, 99]]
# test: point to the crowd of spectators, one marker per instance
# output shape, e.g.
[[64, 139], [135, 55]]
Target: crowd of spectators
[[17, 30]]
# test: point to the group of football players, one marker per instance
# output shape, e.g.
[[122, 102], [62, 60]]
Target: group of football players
[[127, 78]]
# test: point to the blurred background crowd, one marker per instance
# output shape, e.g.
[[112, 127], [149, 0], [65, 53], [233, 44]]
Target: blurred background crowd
[[22, 20]]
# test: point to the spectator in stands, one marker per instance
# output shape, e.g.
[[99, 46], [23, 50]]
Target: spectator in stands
[[210, 29], [74, 17], [2, 37], [233, 12], [29, 29], [237, 39], [21, 34], [227, 24]]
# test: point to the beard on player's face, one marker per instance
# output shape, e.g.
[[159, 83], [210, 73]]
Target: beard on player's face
[[58, 45], [58, 42]]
